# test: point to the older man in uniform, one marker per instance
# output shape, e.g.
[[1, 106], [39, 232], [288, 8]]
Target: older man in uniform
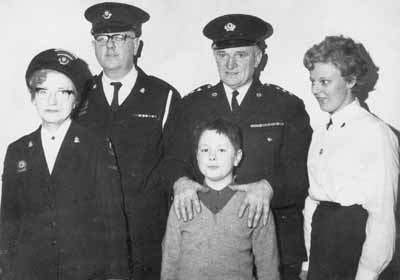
[[276, 136], [130, 108]]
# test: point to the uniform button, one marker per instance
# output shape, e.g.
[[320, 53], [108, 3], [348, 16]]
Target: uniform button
[[269, 139], [54, 242], [53, 224], [51, 206]]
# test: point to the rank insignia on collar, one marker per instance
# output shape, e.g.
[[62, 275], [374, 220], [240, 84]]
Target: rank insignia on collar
[[21, 166], [76, 139], [107, 14], [230, 27], [259, 94], [142, 90], [30, 144], [214, 94], [94, 86]]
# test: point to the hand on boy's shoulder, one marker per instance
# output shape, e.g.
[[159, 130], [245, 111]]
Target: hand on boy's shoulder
[[186, 198], [257, 200]]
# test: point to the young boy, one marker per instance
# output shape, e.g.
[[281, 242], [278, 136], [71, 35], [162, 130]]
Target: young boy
[[216, 244]]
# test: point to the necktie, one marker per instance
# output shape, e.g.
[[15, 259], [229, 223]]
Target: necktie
[[114, 102], [234, 102], [329, 124]]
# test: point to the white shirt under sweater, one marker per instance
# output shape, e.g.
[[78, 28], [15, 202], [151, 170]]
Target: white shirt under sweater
[[52, 141], [128, 81], [356, 161]]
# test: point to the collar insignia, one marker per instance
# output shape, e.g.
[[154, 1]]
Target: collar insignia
[[230, 27], [142, 90], [107, 14], [30, 144], [76, 139]]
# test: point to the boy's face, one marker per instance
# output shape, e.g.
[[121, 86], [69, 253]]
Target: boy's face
[[216, 158]]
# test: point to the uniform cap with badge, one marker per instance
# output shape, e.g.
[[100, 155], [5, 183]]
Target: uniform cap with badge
[[111, 17], [64, 62], [237, 30]]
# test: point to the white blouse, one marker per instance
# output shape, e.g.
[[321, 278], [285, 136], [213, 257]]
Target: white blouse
[[356, 161]]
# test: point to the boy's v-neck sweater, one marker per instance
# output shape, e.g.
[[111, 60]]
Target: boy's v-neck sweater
[[219, 246]]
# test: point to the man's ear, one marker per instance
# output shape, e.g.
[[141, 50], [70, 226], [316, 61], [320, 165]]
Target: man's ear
[[258, 56], [138, 46]]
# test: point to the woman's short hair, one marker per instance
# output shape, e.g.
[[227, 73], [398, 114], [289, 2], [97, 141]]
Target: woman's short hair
[[342, 52], [39, 76]]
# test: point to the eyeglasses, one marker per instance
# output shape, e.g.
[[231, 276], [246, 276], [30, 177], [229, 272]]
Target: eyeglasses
[[44, 93], [117, 39]]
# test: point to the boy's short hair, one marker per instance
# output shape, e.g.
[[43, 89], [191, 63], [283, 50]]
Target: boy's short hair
[[221, 126]]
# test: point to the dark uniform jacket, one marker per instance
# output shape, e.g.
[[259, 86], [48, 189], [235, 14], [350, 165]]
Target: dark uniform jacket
[[137, 136], [63, 225], [276, 137]]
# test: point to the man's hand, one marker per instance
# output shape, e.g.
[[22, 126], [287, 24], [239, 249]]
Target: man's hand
[[185, 195], [258, 198], [303, 275]]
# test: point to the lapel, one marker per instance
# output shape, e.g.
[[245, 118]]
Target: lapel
[[254, 101], [219, 101], [36, 153], [139, 90], [68, 154]]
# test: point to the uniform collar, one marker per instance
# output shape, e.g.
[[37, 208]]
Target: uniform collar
[[346, 114], [59, 133]]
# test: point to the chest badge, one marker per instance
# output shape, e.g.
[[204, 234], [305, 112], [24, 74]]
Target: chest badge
[[21, 166], [214, 94]]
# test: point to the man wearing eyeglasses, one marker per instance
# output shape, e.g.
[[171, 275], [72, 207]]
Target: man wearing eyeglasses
[[131, 108]]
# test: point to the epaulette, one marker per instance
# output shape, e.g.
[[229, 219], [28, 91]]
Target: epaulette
[[201, 88], [278, 88]]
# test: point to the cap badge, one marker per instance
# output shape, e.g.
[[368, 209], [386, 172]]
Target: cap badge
[[21, 166], [230, 27], [64, 57], [107, 14]]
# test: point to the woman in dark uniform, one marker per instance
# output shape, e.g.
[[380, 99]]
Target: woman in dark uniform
[[61, 216], [353, 164]]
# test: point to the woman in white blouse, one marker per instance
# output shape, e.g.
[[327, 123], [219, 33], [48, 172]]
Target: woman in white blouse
[[349, 221]]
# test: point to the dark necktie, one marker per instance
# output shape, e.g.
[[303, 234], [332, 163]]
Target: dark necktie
[[329, 124], [234, 102], [114, 102]]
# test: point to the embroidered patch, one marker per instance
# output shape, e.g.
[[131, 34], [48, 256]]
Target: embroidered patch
[[259, 125], [21, 166]]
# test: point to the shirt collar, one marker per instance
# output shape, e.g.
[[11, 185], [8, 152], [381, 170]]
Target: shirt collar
[[348, 113], [242, 92], [127, 81], [59, 133]]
